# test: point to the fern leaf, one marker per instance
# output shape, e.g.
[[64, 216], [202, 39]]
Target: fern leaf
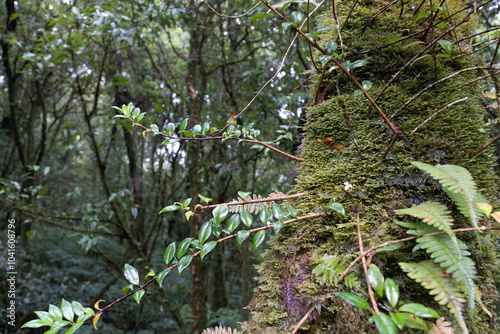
[[458, 184], [434, 279], [442, 327], [459, 265], [434, 214]]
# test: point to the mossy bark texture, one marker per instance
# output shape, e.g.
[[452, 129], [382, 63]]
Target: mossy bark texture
[[336, 120]]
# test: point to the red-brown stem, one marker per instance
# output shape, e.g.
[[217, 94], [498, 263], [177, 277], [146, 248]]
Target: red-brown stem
[[365, 267], [482, 147], [301, 322], [389, 243]]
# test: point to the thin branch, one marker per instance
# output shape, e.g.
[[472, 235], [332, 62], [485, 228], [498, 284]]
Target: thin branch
[[465, 19], [322, 50], [414, 97], [260, 200], [438, 112], [393, 242], [231, 16], [365, 267], [378, 13], [472, 81], [301, 322], [142, 287], [482, 147], [477, 34], [391, 144]]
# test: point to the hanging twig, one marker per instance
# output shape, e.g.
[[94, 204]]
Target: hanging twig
[[437, 113], [388, 149]]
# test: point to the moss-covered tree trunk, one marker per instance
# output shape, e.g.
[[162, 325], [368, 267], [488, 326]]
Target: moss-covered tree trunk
[[337, 119]]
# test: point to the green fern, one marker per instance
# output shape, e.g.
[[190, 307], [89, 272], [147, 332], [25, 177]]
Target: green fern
[[458, 184], [431, 276], [434, 214], [459, 265], [326, 268]]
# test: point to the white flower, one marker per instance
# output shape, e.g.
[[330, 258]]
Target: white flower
[[347, 186]]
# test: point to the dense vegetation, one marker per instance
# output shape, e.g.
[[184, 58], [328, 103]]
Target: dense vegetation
[[84, 187]]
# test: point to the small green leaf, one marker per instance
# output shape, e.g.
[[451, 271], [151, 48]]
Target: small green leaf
[[207, 248], [131, 274], [138, 295], [13, 17], [384, 323], [353, 299], [264, 215], [393, 39], [170, 141], [55, 312], [220, 213], [127, 288], [154, 127], [446, 45], [44, 316], [277, 211], [246, 217], [419, 310], [324, 59], [285, 26], [291, 211], [183, 125], [367, 84], [205, 232], [398, 319], [441, 25], [36, 324], [170, 208], [161, 276], [74, 328], [258, 238], [205, 199], [277, 226], [170, 129], [183, 247], [359, 63], [169, 253], [241, 236], [422, 15], [376, 279], [205, 128], [233, 222], [331, 47], [67, 310], [184, 262], [414, 43], [390, 248], [297, 17], [358, 92], [413, 321], [336, 207], [77, 308], [259, 16], [391, 292]]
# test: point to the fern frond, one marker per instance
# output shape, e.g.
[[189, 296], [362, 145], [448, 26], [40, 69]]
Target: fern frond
[[458, 184], [434, 214], [327, 269], [442, 327], [459, 265], [434, 279], [250, 207]]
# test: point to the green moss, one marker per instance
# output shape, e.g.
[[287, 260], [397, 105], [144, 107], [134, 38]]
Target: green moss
[[380, 186]]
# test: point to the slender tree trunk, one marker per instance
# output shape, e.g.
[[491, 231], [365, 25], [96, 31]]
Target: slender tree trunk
[[381, 184]]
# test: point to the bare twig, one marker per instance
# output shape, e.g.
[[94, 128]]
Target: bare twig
[[439, 111], [472, 81], [482, 147], [365, 267], [301, 322], [393, 242], [391, 144], [414, 97]]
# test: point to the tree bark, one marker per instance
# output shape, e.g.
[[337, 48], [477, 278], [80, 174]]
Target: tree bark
[[380, 184]]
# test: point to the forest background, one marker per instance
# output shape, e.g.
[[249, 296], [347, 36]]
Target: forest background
[[85, 189]]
